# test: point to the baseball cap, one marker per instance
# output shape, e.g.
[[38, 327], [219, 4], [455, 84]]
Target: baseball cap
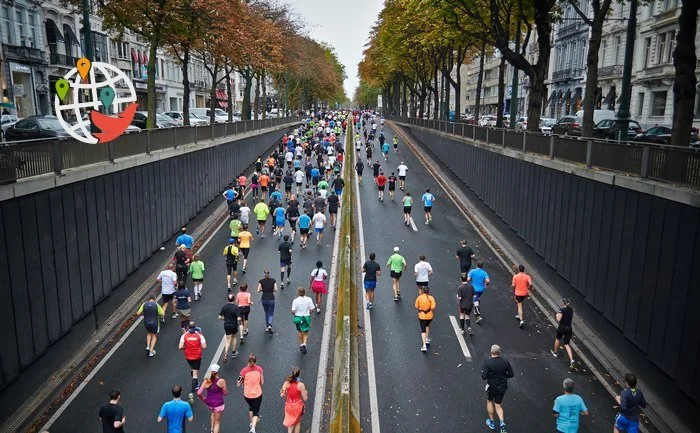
[[231, 240], [396, 249], [214, 368]]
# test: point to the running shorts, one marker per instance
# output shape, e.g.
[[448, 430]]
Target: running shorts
[[564, 335], [422, 283], [392, 187], [195, 364], [285, 263], [314, 181], [304, 231], [407, 209], [424, 323], [466, 311], [370, 285], [380, 187], [254, 405], [318, 229], [427, 208], [263, 188], [152, 328], [495, 394], [168, 298], [245, 252], [395, 275], [519, 299], [231, 267], [627, 425], [231, 330], [197, 280], [244, 312], [402, 177]]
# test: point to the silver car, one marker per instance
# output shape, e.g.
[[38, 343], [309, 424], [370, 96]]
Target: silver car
[[194, 119]]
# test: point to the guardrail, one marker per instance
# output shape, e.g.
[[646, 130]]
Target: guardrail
[[22, 159], [671, 164]]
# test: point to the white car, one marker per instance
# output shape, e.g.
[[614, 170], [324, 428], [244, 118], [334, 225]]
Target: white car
[[7, 121], [546, 124], [487, 120], [521, 123], [194, 119], [220, 116]]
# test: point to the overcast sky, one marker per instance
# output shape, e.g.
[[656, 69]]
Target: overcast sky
[[343, 24]]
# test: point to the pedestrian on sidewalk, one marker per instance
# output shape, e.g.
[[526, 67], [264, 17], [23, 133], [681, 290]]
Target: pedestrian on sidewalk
[[252, 380], [425, 304], [152, 313], [267, 286], [302, 306], [631, 401], [565, 316], [480, 280], [568, 408], [422, 270], [465, 298], [295, 395], [197, 270], [175, 412], [232, 322], [244, 300], [192, 343], [496, 371], [317, 284], [372, 270], [112, 414], [216, 390], [397, 264], [522, 283]]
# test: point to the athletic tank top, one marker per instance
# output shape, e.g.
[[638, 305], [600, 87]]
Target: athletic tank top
[[293, 393]]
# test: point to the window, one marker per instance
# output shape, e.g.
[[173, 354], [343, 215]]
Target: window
[[617, 51], [574, 55], [668, 5], [603, 53], [666, 52], [640, 104], [584, 54], [7, 33], [20, 28], [647, 52], [31, 30], [658, 103]]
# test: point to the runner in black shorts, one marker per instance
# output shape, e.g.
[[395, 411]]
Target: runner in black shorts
[[564, 331], [391, 180], [465, 296], [231, 317]]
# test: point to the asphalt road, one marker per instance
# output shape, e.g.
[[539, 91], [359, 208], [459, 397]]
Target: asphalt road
[[442, 390], [145, 383]]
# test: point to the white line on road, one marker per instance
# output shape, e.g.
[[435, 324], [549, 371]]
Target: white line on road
[[369, 348], [460, 338], [413, 224]]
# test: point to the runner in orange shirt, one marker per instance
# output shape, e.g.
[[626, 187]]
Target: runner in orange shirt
[[521, 285], [264, 183]]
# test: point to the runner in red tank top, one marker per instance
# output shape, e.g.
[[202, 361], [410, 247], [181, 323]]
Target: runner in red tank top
[[192, 342], [381, 182]]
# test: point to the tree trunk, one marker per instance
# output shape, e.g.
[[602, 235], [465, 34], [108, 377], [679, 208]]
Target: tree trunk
[[592, 74], [404, 102], [421, 103], [229, 94], [256, 105], [458, 89], [185, 86], [684, 84], [248, 77], [501, 92], [151, 80], [479, 81], [436, 96], [212, 94], [264, 95]]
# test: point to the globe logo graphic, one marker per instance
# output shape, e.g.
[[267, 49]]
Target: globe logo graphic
[[91, 89]]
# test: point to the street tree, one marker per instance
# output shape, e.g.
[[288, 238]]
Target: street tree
[[685, 82]]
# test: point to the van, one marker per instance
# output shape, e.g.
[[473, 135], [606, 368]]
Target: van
[[598, 115]]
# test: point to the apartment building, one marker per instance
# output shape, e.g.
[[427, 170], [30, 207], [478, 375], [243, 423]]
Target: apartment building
[[489, 88]]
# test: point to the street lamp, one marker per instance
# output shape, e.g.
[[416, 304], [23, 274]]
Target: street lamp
[[623, 113]]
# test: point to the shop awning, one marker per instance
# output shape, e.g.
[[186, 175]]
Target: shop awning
[[134, 56], [70, 34], [223, 104], [567, 96], [577, 95], [221, 94], [145, 58], [141, 58], [53, 34]]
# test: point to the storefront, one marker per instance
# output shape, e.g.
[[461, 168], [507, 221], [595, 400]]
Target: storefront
[[22, 86]]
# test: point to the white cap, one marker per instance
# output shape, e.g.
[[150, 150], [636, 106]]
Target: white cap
[[214, 368], [396, 249]]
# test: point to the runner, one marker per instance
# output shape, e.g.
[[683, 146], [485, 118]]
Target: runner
[[564, 331], [175, 412], [264, 185], [261, 212], [231, 316], [397, 264], [197, 271], [338, 184], [425, 304], [182, 261], [244, 301], [333, 201], [292, 215], [465, 296], [396, 144], [192, 343], [522, 283], [480, 280], [376, 168], [402, 169], [422, 270], [465, 255], [381, 184], [215, 388], [168, 282], [299, 179], [230, 194], [152, 314], [372, 270], [301, 308], [304, 226], [183, 300], [428, 199], [319, 220], [244, 239], [252, 379], [368, 151], [315, 178], [244, 211], [288, 181], [385, 148], [112, 414], [630, 400], [267, 286], [317, 284], [323, 188], [568, 409], [496, 371], [185, 239], [359, 168], [285, 249], [295, 394], [279, 217], [231, 253], [407, 201], [242, 181], [255, 183], [392, 185]]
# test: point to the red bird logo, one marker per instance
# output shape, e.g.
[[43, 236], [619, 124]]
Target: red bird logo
[[112, 127]]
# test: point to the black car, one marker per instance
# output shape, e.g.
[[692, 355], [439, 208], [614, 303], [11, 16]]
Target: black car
[[608, 129], [567, 125], [35, 127], [655, 134]]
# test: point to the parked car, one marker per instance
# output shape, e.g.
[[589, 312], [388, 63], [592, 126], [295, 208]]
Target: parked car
[[567, 125], [220, 116], [7, 121], [608, 129], [656, 134], [194, 119], [34, 127], [521, 123], [546, 124], [162, 121], [598, 115], [487, 120], [88, 123]]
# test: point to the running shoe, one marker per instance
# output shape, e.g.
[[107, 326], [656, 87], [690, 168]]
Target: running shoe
[[303, 349], [368, 307], [398, 293], [517, 317], [318, 310], [245, 332], [152, 353], [174, 316], [282, 286], [522, 323], [503, 427], [242, 339], [190, 398], [244, 270], [471, 332], [148, 349], [288, 280], [478, 320], [427, 341], [462, 331], [572, 365], [423, 349], [491, 424], [235, 281], [554, 354], [234, 354], [225, 358], [257, 230], [396, 298]]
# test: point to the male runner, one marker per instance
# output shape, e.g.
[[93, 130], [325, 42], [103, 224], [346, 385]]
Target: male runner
[[565, 317], [396, 144], [192, 343], [359, 167], [479, 279], [428, 199], [376, 168], [333, 201], [168, 282], [232, 320], [397, 264], [402, 169], [522, 283], [422, 270], [465, 255], [285, 249], [292, 215], [631, 400], [392, 185], [304, 225], [152, 313], [319, 220], [244, 239], [381, 184], [372, 270], [465, 296], [231, 253], [385, 150], [261, 211]]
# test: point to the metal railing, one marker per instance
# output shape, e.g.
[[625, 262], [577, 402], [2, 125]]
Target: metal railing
[[22, 159], [670, 164]]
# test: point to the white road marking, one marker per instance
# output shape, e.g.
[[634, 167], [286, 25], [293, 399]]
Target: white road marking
[[112, 351], [369, 347], [413, 224], [217, 355], [460, 338]]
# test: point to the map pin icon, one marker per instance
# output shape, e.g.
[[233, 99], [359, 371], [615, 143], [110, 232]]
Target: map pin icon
[[83, 66], [62, 87], [107, 96]]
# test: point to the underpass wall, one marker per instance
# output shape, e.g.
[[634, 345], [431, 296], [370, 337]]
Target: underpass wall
[[635, 257], [64, 249]]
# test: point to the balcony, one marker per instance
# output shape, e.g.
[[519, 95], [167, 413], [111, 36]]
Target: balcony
[[24, 54], [568, 74], [56, 59], [570, 28], [610, 71], [657, 75], [668, 17]]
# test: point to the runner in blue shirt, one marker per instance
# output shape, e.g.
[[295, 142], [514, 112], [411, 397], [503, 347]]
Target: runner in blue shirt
[[175, 411], [315, 176], [428, 199], [230, 194], [385, 151], [568, 408], [279, 221], [276, 195], [479, 279], [184, 239], [304, 225]]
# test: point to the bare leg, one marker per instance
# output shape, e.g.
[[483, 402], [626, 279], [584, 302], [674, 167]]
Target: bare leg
[[489, 409], [499, 412]]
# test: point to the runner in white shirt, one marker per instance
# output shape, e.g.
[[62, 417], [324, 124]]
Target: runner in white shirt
[[423, 271], [402, 169], [299, 179], [245, 213], [302, 306], [289, 157], [319, 221], [298, 151], [168, 283], [318, 284]]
